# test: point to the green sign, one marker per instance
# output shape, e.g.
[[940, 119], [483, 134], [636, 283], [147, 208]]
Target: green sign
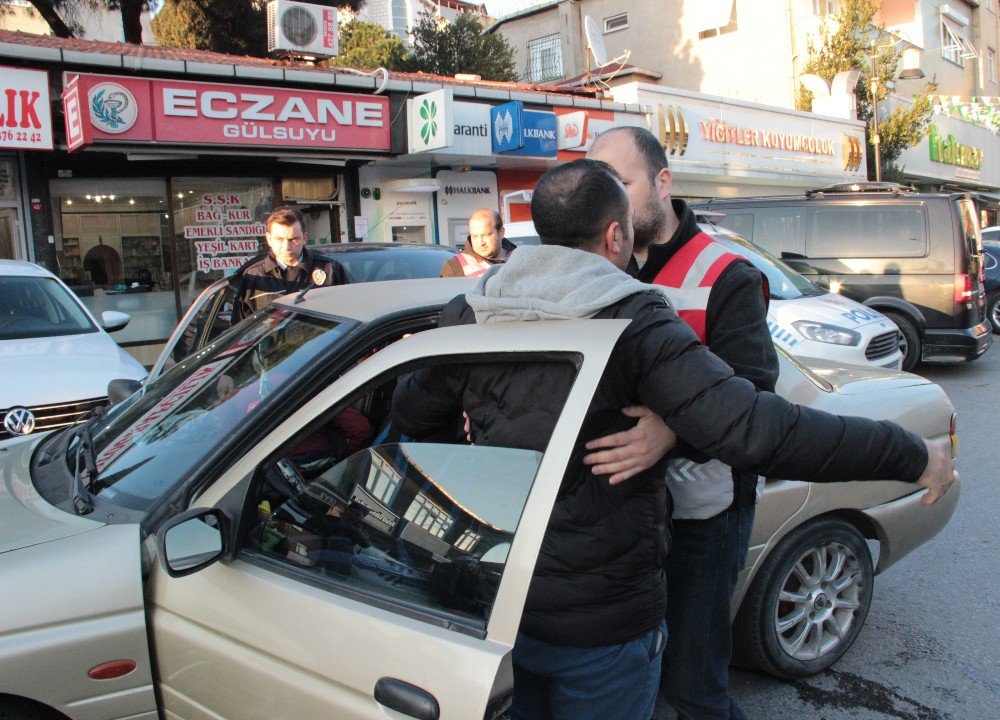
[[951, 152]]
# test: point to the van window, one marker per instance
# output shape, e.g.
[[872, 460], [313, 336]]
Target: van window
[[781, 230], [739, 223], [874, 231]]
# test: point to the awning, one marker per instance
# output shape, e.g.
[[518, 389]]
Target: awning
[[711, 14]]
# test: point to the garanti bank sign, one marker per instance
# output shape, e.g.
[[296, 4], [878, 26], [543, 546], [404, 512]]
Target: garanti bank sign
[[114, 109]]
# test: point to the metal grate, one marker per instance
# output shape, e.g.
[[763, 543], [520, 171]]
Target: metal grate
[[882, 345], [53, 417], [545, 59]]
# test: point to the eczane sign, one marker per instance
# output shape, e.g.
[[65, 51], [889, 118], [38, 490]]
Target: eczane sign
[[25, 117], [120, 109]]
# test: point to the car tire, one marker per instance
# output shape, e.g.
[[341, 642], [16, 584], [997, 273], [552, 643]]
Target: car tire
[[808, 602], [993, 310], [909, 341]]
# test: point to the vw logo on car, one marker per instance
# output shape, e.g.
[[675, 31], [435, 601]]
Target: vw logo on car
[[19, 421]]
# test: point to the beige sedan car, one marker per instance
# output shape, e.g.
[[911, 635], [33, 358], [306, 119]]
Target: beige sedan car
[[246, 536]]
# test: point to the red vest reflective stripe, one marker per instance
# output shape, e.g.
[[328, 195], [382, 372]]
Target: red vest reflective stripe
[[691, 272], [472, 267]]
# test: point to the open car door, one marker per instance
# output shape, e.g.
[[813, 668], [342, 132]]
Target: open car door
[[381, 582], [207, 318]]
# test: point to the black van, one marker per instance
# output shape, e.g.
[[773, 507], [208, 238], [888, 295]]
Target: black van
[[915, 257]]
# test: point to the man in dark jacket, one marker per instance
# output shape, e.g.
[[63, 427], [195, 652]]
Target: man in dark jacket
[[288, 266], [713, 514], [592, 630], [485, 247]]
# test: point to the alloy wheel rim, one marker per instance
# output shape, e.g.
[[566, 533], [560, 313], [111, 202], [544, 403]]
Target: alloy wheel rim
[[819, 601], [995, 315]]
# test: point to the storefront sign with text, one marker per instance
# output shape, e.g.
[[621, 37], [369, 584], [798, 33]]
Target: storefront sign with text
[[102, 108], [25, 115]]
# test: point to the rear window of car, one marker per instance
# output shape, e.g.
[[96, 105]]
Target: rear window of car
[[853, 231], [393, 263]]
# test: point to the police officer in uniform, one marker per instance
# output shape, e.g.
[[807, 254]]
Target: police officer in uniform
[[287, 267]]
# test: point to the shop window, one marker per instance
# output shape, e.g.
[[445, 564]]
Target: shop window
[[10, 236], [219, 226], [545, 59], [110, 235]]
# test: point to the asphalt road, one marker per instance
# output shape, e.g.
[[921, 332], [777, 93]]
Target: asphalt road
[[930, 649]]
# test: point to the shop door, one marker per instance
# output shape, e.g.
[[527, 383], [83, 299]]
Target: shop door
[[10, 233]]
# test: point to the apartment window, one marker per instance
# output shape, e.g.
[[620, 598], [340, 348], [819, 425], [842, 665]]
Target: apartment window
[[991, 5], [399, 16], [714, 19], [952, 43], [824, 7], [616, 22], [545, 59], [991, 65]]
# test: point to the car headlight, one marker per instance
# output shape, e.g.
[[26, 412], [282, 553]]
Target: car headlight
[[821, 332]]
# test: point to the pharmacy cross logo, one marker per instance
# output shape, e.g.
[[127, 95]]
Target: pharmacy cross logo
[[19, 421], [428, 113], [113, 108], [504, 127]]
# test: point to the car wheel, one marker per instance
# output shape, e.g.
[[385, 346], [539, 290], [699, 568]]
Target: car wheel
[[909, 340], [808, 602], [993, 310]]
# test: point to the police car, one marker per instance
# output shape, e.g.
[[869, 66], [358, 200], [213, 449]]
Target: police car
[[804, 319], [812, 322]]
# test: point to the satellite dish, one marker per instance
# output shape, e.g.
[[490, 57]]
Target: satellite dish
[[595, 41]]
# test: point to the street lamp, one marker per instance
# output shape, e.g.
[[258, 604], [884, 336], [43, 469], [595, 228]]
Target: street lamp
[[911, 71]]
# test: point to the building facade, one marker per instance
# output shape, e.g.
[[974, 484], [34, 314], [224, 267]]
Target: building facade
[[142, 174], [745, 49]]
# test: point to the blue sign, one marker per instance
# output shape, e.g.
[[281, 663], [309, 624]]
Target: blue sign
[[517, 131], [506, 121]]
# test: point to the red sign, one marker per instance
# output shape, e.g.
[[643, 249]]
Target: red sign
[[121, 109], [25, 117]]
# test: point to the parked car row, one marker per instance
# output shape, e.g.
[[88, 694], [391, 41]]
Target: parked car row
[[805, 319], [207, 544], [917, 258]]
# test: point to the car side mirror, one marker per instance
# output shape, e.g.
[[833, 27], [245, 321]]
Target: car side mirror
[[120, 389], [112, 320], [192, 540]]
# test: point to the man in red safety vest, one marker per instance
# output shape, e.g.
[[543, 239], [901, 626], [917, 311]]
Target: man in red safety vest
[[724, 299], [484, 248]]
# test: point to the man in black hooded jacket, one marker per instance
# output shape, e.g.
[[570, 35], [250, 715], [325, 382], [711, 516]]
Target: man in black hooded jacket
[[592, 631]]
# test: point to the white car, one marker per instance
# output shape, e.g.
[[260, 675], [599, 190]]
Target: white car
[[804, 319], [207, 549], [57, 359]]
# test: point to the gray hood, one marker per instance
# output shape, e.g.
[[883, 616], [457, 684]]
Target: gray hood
[[550, 282]]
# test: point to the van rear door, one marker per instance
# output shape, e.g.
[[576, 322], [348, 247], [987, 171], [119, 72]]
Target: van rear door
[[970, 279]]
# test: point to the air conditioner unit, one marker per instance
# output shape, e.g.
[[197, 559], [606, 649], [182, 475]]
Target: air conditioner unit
[[301, 28]]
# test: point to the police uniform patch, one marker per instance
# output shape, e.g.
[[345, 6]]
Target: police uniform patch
[[318, 277]]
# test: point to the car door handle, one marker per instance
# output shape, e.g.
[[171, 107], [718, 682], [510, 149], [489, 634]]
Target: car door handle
[[407, 699]]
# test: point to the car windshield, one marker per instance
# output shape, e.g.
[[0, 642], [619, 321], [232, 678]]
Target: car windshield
[[33, 307], [786, 284], [156, 438], [397, 263]]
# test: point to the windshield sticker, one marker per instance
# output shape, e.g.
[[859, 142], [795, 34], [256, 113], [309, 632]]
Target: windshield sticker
[[163, 408]]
